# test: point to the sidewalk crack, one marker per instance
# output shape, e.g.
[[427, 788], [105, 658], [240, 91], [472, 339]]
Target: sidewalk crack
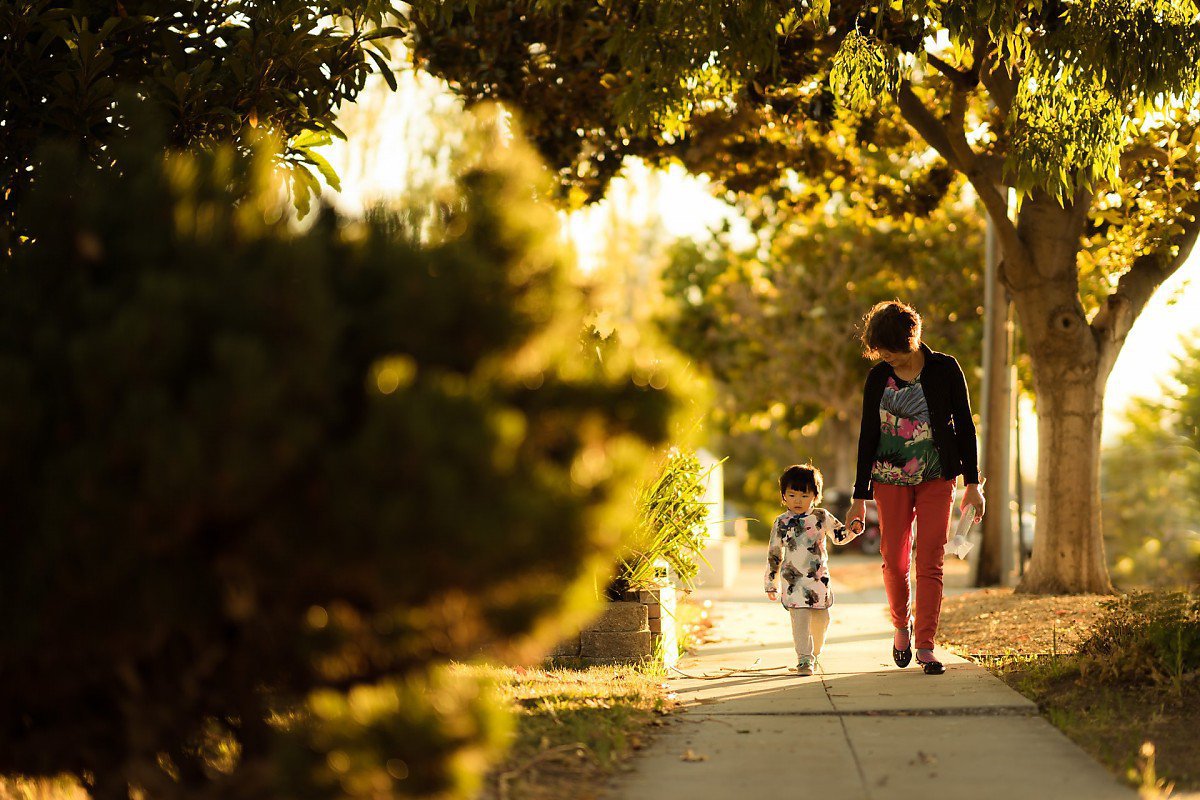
[[862, 776], [711, 709]]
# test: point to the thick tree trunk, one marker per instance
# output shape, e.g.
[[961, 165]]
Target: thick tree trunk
[[1072, 356], [1070, 369], [1068, 549]]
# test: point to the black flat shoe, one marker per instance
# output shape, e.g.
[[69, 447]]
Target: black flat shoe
[[931, 667], [903, 657]]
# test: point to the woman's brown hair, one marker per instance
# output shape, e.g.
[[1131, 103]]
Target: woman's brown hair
[[893, 326]]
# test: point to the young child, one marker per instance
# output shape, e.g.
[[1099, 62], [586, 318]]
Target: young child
[[797, 552]]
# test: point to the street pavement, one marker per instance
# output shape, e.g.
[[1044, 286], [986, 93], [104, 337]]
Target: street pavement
[[859, 729]]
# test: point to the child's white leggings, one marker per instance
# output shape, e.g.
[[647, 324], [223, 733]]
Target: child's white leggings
[[808, 630]]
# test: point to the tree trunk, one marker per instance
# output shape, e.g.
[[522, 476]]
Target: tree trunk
[[840, 435], [1070, 370], [1068, 548]]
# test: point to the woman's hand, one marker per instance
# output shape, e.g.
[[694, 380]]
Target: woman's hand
[[858, 510], [973, 496]]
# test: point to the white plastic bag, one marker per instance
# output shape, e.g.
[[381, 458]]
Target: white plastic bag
[[958, 544]]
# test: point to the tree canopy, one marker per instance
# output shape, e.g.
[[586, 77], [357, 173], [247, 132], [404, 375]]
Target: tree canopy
[[775, 324], [1085, 111], [71, 69]]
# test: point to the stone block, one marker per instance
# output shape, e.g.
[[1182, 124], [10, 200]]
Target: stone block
[[568, 647], [656, 625], [615, 644], [622, 616]]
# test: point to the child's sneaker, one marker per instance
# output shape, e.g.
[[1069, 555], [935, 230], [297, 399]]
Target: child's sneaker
[[805, 667]]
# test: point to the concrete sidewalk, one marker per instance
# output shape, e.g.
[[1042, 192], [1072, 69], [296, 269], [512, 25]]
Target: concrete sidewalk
[[860, 728]]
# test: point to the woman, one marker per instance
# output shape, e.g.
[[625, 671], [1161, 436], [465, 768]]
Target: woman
[[916, 438]]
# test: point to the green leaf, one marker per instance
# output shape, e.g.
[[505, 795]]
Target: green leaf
[[311, 138], [304, 186], [326, 169], [386, 70], [382, 33]]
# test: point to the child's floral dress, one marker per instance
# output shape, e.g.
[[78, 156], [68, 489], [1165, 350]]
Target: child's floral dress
[[797, 554]]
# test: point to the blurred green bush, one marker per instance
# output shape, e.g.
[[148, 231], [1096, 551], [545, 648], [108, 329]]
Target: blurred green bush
[[1150, 483], [1145, 638], [670, 530], [258, 484]]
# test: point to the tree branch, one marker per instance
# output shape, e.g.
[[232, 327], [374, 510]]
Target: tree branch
[[1143, 152], [960, 78], [1001, 84], [1115, 318], [1081, 204], [979, 52], [931, 128], [980, 172]]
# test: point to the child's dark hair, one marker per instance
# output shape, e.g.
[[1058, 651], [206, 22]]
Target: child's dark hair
[[893, 326], [801, 478]]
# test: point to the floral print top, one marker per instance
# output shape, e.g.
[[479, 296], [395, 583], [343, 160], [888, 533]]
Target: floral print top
[[907, 454], [797, 554]]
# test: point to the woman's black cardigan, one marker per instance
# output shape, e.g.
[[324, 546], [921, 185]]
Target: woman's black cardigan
[[945, 390]]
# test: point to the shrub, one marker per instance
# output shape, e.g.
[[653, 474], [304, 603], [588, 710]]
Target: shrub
[[1145, 638], [258, 485]]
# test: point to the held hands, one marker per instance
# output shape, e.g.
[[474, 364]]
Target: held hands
[[849, 531], [973, 496], [858, 512]]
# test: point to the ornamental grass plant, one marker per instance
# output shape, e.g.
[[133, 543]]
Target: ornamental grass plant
[[671, 525]]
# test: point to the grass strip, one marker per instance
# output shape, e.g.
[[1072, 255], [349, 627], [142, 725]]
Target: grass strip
[[574, 727], [1092, 667]]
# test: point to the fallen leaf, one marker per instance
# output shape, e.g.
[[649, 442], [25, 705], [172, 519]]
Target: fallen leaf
[[692, 756]]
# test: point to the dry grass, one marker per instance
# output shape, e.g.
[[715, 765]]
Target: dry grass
[[574, 727], [1030, 642], [998, 622]]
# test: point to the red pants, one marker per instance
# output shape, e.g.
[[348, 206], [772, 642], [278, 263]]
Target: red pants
[[930, 504]]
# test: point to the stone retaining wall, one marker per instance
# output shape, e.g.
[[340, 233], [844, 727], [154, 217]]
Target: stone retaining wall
[[627, 631]]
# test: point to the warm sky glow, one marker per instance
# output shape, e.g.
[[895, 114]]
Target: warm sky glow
[[1149, 354]]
